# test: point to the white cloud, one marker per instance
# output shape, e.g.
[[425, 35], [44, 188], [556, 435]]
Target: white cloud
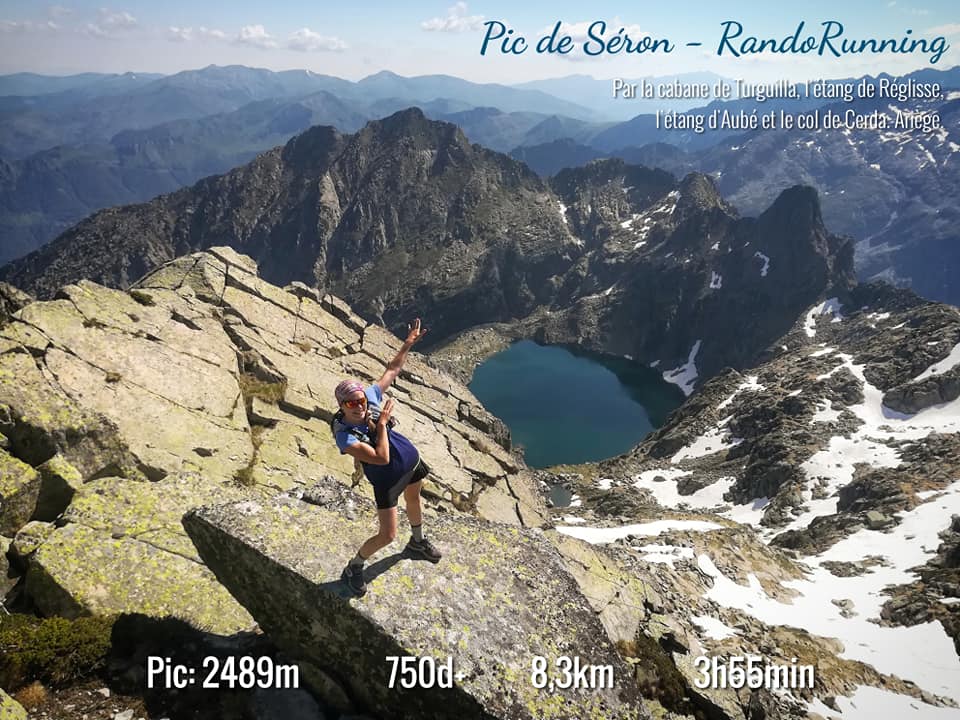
[[256, 36], [949, 29], [578, 31], [179, 34], [111, 24], [184, 34], [307, 40], [26, 26], [116, 21], [58, 11], [456, 20], [211, 33]]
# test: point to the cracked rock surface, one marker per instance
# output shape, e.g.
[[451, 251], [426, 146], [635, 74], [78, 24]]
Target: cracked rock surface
[[121, 410]]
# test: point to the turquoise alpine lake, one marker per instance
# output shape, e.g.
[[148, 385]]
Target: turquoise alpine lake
[[564, 406]]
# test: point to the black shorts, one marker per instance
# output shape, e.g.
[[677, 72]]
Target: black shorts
[[387, 495]]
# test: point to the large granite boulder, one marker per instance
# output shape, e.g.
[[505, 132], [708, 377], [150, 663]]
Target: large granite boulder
[[500, 596], [19, 488], [214, 386]]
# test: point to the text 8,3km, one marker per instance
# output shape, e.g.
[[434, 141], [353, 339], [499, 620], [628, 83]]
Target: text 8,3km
[[568, 673]]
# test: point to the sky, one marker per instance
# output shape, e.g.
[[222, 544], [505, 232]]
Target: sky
[[353, 40]]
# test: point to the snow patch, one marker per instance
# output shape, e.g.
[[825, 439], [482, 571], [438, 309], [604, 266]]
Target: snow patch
[[666, 493], [713, 627], [599, 536], [664, 554], [766, 263], [825, 413], [716, 280], [821, 353], [685, 375], [831, 306], [712, 441], [870, 703], [923, 653], [750, 384], [834, 465]]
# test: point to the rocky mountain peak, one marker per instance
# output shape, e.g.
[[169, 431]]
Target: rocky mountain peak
[[411, 126], [795, 225], [699, 194], [799, 205], [313, 148]]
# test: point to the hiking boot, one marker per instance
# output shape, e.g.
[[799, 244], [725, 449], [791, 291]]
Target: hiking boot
[[423, 549], [353, 576]]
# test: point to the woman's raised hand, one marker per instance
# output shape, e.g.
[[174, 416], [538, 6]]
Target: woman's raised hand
[[385, 412], [414, 333]]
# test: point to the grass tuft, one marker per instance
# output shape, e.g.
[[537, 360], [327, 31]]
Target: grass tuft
[[143, 298], [32, 696], [253, 387]]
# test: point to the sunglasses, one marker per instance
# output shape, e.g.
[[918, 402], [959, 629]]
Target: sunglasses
[[359, 402]]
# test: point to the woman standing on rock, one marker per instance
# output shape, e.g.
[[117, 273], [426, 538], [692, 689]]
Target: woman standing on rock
[[363, 429]]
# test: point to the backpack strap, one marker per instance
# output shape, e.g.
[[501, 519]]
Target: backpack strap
[[362, 434]]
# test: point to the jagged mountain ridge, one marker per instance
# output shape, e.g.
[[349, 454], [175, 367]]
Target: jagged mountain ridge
[[407, 218], [893, 190]]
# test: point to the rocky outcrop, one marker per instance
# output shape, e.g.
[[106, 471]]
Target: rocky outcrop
[[499, 597], [19, 488], [80, 570], [11, 300], [916, 395], [122, 410]]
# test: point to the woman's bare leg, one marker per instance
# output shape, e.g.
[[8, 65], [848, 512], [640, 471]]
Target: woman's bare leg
[[387, 534]]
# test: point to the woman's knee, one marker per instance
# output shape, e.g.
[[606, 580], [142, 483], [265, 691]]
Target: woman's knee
[[388, 525], [387, 535]]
